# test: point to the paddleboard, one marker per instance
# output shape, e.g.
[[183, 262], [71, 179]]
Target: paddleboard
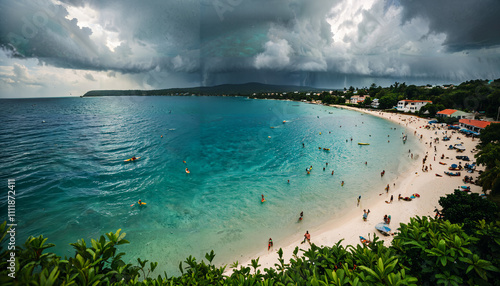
[[130, 160]]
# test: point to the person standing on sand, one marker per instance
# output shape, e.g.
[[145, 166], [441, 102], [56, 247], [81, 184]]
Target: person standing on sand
[[392, 198], [365, 214], [359, 199], [307, 237]]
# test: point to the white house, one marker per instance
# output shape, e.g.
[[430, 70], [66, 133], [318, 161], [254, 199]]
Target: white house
[[375, 103], [356, 99], [411, 105]]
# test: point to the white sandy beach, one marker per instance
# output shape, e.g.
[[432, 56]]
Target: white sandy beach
[[429, 186]]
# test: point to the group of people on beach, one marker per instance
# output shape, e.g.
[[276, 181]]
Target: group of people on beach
[[387, 219]]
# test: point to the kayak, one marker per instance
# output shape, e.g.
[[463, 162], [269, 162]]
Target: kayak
[[130, 160], [363, 143], [140, 204], [364, 240]]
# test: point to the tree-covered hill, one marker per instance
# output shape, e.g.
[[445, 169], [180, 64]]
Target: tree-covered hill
[[224, 89]]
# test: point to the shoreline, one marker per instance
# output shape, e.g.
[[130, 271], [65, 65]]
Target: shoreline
[[429, 186]]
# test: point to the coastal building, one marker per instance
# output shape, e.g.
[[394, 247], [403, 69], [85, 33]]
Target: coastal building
[[448, 113], [474, 125], [356, 99], [411, 105], [375, 103]]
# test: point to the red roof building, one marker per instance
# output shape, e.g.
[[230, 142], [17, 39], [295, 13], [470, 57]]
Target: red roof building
[[454, 113], [474, 125], [447, 112]]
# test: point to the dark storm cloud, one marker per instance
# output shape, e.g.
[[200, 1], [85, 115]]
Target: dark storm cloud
[[181, 35], [39, 29], [466, 24], [284, 41]]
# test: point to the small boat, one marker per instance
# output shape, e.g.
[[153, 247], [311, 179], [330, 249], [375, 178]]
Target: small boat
[[383, 228], [132, 159], [363, 143], [364, 240], [452, 174]]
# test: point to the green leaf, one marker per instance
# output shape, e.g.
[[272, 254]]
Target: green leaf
[[443, 260], [370, 271]]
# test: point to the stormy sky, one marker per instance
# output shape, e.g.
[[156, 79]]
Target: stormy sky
[[67, 47]]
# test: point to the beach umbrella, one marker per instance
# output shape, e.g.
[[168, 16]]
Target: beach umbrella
[[454, 165]]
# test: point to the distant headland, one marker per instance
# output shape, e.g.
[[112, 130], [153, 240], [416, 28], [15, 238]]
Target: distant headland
[[223, 89]]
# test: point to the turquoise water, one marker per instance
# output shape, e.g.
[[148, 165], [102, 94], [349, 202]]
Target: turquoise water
[[67, 158]]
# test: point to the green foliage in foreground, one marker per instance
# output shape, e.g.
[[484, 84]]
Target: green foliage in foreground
[[488, 155], [425, 252], [465, 208]]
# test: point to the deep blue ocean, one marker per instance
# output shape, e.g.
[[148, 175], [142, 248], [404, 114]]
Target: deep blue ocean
[[67, 157]]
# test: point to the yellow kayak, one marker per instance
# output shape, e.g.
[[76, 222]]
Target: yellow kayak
[[363, 143], [131, 159], [140, 204]]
